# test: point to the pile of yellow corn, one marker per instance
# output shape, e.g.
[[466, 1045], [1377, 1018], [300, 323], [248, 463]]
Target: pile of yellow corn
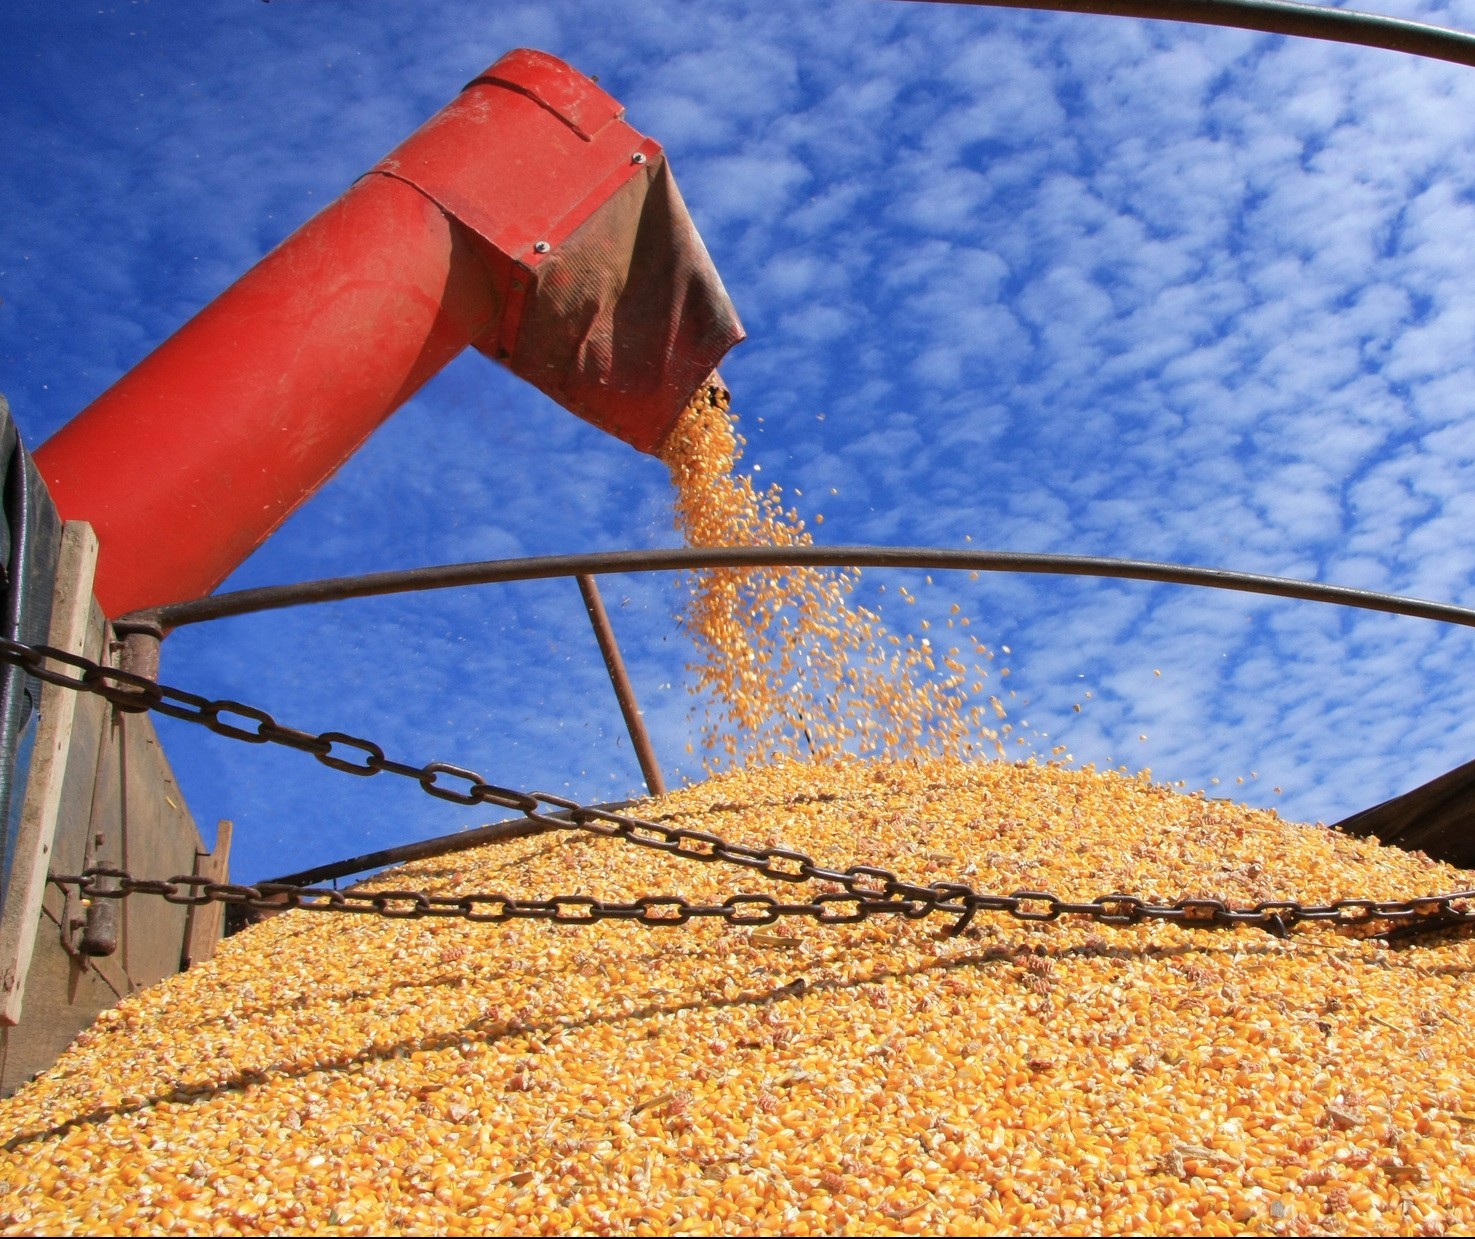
[[334, 1074]]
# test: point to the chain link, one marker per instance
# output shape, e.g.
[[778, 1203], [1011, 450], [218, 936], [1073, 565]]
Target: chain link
[[862, 891]]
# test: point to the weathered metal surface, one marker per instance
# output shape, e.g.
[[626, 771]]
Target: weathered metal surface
[[1437, 817], [100, 793], [204, 926], [63, 997], [609, 301], [158, 833], [86, 929], [30, 543], [99, 930], [139, 650]]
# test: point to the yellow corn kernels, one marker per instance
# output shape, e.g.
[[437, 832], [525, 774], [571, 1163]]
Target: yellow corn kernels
[[351, 1075]]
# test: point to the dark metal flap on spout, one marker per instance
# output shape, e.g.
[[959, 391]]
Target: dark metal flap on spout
[[607, 299], [627, 317]]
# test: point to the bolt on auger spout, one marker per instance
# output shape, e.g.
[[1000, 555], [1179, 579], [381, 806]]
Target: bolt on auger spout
[[526, 219]]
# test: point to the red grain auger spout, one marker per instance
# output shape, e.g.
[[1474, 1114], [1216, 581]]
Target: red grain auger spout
[[526, 219]]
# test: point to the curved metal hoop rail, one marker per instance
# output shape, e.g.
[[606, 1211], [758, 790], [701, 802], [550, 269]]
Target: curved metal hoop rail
[[1307, 21], [545, 567], [1430, 818]]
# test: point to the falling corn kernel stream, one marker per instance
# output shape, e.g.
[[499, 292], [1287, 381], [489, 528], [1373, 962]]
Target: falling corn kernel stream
[[350, 1075], [788, 663]]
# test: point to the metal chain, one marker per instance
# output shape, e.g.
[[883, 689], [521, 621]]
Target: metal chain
[[861, 891], [1410, 916]]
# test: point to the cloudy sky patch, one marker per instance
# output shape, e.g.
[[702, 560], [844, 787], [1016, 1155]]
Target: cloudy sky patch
[[1048, 282]]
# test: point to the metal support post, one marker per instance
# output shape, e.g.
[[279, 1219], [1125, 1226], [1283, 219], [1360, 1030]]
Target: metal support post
[[624, 693]]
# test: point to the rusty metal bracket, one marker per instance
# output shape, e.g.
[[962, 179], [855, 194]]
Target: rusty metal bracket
[[137, 652], [89, 926]]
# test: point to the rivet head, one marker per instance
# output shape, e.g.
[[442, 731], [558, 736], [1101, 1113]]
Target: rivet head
[[541, 247], [638, 157]]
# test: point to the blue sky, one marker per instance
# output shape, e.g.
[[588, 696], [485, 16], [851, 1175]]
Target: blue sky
[[1048, 282]]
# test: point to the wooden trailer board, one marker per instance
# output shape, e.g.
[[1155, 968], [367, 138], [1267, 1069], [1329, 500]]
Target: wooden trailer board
[[100, 792]]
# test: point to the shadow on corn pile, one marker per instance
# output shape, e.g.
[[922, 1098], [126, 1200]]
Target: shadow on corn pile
[[190, 1093]]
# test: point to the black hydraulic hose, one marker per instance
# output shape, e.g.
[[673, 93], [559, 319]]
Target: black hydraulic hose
[[1310, 21]]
